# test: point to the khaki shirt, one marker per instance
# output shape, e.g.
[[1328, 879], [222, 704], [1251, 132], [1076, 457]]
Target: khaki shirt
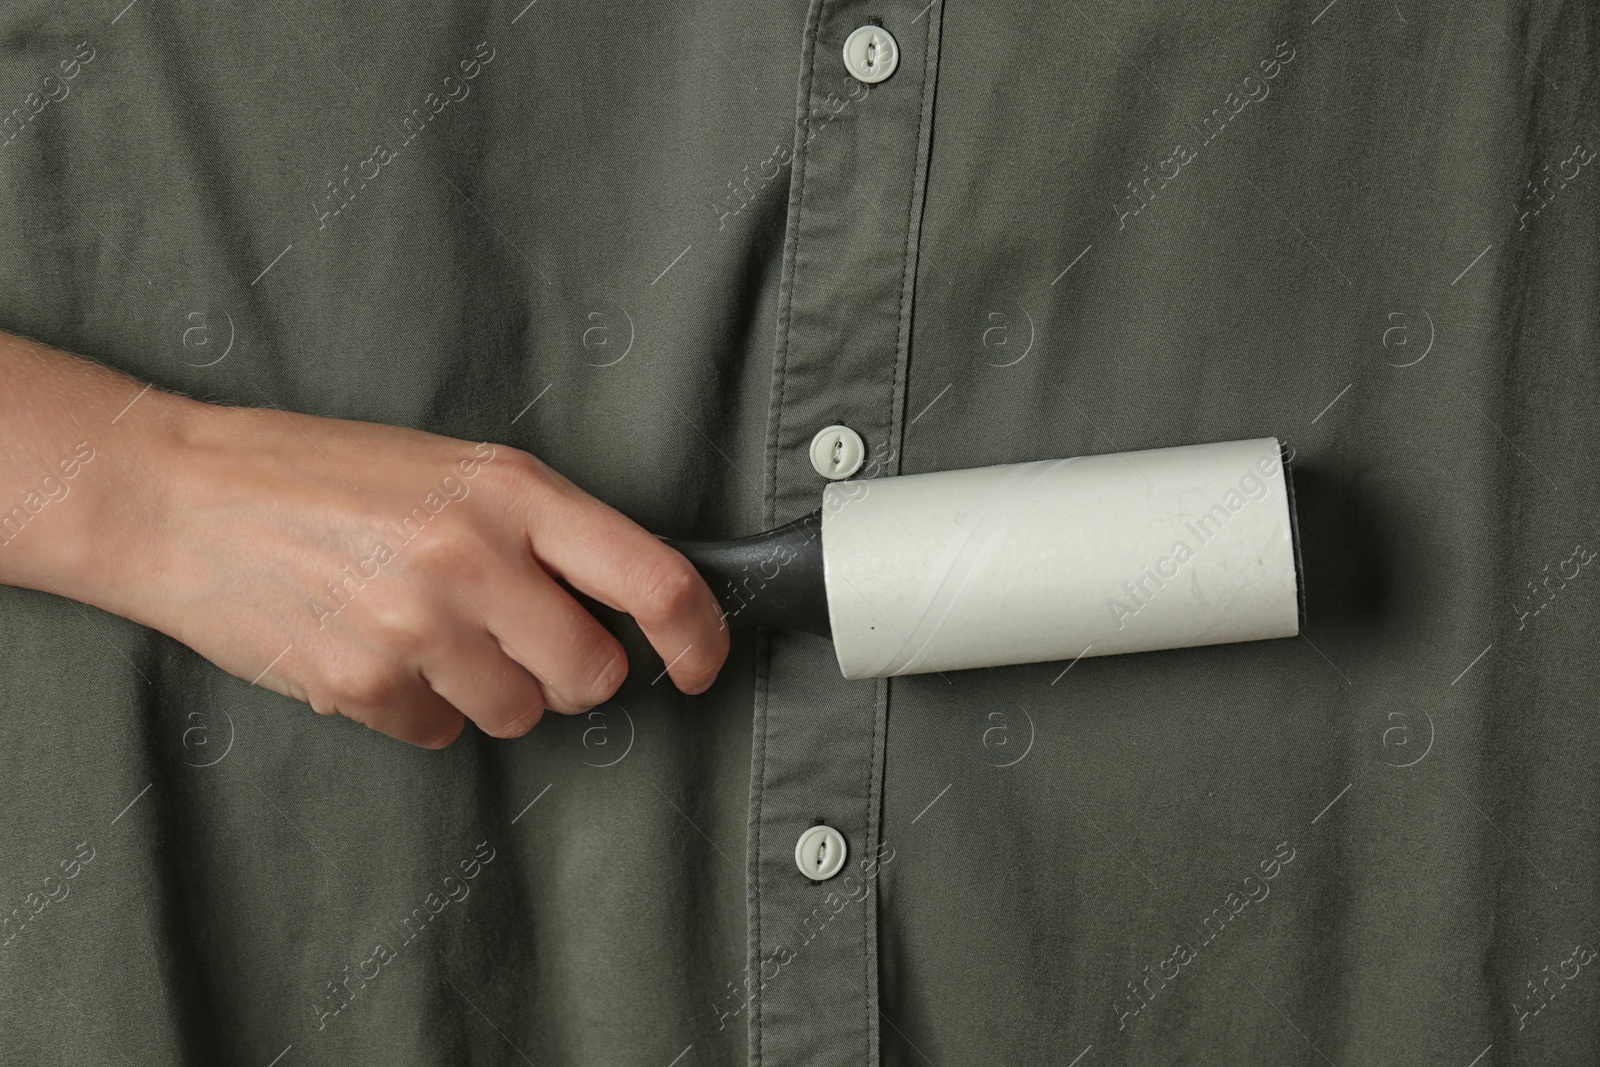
[[660, 246]]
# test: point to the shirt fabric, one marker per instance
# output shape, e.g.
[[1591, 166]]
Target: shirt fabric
[[660, 246]]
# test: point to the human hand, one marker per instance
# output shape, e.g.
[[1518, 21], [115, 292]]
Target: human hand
[[405, 580]]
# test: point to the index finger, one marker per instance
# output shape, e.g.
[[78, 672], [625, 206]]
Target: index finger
[[606, 555]]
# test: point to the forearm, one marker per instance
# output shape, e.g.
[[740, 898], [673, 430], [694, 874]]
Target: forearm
[[82, 455], [398, 577]]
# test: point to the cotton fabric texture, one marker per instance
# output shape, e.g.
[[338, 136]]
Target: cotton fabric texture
[[660, 246]]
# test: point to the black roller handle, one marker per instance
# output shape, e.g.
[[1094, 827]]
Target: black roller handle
[[768, 579]]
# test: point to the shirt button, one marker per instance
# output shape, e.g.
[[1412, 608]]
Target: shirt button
[[820, 853], [870, 54], [837, 452]]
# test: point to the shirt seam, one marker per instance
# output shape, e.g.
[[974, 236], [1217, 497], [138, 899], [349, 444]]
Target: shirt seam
[[801, 157], [874, 801], [792, 250]]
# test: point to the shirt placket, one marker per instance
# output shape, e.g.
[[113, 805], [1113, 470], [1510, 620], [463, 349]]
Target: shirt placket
[[844, 326]]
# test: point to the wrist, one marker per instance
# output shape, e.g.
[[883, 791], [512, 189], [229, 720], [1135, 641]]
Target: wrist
[[114, 549]]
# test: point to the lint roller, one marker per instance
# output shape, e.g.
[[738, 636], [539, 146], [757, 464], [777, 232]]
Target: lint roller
[[1028, 562]]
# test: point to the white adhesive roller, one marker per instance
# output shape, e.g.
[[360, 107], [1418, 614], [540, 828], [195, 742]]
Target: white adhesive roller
[[1030, 562]]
